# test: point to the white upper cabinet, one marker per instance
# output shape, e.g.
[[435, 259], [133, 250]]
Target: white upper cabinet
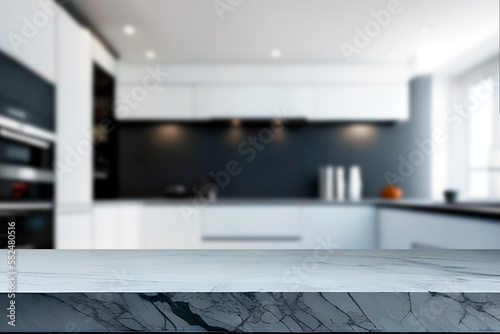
[[356, 102], [157, 102], [361, 102], [28, 34], [74, 113], [314, 92], [253, 101]]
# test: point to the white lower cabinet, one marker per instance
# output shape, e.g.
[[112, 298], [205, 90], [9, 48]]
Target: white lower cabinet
[[164, 227], [134, 225], [131, 222], [251, 227], [106, 229], [289, 227], [339, 227], [218, 226], [117, 225], [74, 229], [407, 229]]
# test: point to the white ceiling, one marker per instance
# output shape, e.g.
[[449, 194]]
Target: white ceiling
[[190, 31]]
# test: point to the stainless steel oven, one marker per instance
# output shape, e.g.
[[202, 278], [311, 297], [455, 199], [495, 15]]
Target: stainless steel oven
[[27, 134], [33, 225], [26, 171], [26, 190], [27, 141]]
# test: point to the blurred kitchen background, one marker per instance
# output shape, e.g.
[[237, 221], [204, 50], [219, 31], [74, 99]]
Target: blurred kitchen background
[[250, 123]]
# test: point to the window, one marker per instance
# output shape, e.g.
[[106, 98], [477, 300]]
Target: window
[[483, 136]]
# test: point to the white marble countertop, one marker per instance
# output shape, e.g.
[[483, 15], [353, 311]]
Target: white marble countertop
[[250, 271]]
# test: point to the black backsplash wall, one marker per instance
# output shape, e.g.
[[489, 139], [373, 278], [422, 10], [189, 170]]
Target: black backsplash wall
[[153, 154]]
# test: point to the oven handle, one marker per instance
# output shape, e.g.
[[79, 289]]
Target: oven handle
[[19, 137], [32, 206], [11, 172]]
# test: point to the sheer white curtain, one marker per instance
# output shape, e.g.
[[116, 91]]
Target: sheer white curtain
[[484, 146], [476, 155], [474, 133]]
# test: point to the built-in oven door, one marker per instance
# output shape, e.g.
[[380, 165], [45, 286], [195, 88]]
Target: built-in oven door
[[19, 149], [26, 167], [33, 226], [25, 98]]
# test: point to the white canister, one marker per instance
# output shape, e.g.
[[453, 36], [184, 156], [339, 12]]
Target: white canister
[[340, 183], [326, 181], [355, 183]]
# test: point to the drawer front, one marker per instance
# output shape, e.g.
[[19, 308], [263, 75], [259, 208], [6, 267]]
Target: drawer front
[[251, 222]]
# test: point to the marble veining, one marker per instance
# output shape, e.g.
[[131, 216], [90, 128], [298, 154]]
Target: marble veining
[[320, 270], [256, 291], [258, 312]]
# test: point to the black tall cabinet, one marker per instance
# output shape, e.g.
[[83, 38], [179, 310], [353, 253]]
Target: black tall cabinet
[[105, 136]]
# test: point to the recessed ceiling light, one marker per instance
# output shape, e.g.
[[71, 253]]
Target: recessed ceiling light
[[150, 54], [425, 29], [129, 30], [276, 53]]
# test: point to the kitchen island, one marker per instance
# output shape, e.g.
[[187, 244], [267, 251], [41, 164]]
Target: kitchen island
[[253, 291]]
